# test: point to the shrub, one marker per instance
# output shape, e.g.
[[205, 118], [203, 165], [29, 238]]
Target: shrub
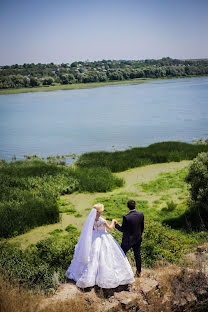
[[170, 206], [97, 180], [160, 243], [19, 217], [198, 180]]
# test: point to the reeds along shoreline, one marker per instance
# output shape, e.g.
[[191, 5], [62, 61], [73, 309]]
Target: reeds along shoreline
[[140, 156]]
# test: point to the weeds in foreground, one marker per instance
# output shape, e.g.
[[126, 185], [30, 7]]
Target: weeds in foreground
[[15, 298]]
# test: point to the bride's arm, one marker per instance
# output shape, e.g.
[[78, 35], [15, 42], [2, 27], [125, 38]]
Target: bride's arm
[[109, 227]]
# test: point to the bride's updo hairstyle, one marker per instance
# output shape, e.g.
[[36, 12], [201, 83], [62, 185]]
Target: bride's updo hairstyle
[[99, 207]]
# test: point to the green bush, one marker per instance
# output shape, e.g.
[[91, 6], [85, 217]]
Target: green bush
[[160, 243], [28, 212], [198, 180], [97, 180], [171, 206]]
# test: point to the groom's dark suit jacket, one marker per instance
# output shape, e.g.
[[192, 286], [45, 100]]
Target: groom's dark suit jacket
[[132, 228]]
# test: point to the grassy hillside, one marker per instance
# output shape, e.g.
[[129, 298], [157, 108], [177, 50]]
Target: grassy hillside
[[39, 257]]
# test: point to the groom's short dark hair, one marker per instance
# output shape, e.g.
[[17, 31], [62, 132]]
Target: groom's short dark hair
[[131, 204]]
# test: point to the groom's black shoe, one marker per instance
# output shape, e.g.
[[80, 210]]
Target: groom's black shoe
[[138, 274]]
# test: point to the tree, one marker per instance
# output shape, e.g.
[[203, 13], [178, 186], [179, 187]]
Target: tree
[[67, 79], [74, 64], [48, 81], [34, 82], [198, 180], [115, 75]]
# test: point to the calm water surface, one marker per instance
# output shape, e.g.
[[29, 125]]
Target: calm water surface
[[62, 122]]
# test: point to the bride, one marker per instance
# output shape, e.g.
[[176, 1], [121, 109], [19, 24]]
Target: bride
[[98, 258]]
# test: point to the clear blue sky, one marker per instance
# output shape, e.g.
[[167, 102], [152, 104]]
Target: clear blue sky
[[65, 30]]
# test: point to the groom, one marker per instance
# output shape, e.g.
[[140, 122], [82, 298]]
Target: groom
[[132, 228]]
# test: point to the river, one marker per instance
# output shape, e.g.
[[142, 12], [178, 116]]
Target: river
[[103, 118]]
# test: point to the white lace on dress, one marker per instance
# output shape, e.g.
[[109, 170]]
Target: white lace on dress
[[99, 226]]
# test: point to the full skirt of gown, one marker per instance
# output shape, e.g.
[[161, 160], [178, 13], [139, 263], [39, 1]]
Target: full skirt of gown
[[108, 266]]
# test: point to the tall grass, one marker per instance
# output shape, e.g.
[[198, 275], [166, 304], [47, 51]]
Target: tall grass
[[29, 192], [97, 180], [141, 156]]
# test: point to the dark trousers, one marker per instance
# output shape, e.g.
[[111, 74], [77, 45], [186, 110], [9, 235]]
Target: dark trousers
[[137, 254]]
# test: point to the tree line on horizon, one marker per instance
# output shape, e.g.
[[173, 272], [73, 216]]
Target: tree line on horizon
[[34, 75]]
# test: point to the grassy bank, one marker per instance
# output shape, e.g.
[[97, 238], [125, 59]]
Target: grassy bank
[[86, 85], [73, 86]]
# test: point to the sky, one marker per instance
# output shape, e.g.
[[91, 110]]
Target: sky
[[33, 31]]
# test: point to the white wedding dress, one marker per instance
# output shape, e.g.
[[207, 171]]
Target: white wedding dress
[[107, 265]]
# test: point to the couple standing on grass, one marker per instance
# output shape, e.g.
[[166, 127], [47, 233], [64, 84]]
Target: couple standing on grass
[[98, 258]]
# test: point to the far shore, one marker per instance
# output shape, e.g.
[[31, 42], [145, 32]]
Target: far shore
[[86, 85]]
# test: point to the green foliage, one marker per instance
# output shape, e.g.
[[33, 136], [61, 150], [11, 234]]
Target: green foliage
[[26, 212], [78, 215], [116, 206], [71, 228], [38, 264], [171, 206], [28, 194], [65, 206], [56, 232], [160, 243], [166, 181], [141, 156], [32, 75], [67, 210], [97, 180], [198, 180]]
